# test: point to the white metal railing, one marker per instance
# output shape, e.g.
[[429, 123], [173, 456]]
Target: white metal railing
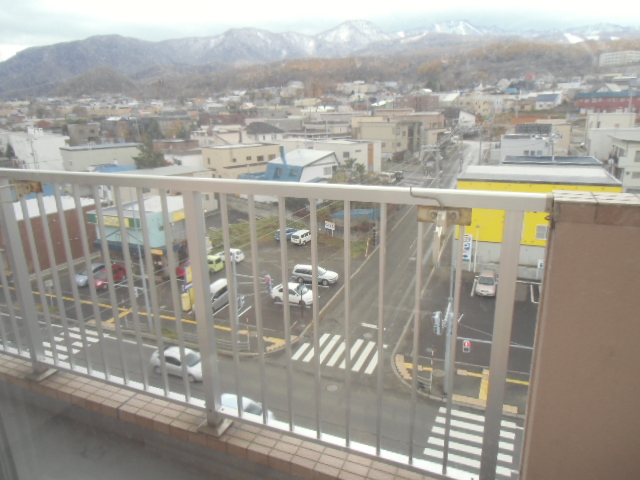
[[44, 305]]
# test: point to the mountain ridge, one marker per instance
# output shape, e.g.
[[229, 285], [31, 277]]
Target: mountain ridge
[[39, 70]]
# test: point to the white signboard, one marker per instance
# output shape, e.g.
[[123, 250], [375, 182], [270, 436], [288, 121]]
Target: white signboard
[[467, 246], [329, 225]]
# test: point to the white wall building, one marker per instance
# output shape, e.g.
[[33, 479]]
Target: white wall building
[[527, 145], [365, 152], [36, 149], [84, 157]]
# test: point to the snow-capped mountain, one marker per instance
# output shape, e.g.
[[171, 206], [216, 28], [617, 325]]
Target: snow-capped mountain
[[36, 69]]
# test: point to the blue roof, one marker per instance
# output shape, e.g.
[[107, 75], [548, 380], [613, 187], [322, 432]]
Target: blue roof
[[276, 172], [626, 93], [362, 214], [110, 168]]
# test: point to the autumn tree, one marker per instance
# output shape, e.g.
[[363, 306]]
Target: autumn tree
[[148, 157]]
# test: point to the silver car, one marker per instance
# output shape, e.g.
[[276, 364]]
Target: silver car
[[304, 273], [230, 400], [82, 278], [486, 284], [173, 363]]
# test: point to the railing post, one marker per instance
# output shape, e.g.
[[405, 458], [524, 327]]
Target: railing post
[[214, 423], [503, 321], [22, 282]]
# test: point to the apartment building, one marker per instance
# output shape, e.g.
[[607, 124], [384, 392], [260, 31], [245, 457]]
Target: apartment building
[[229, 161]]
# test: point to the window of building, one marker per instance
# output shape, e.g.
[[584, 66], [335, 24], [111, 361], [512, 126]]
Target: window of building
[[260, 158], [294, 172], [397, 131], [272, 156], [398, 144], [278, 172], [328, 171], [208, 161], [234, 160], [248, 158], [636, 158], [206, 197], [404, 134], [541, 232], [384, 144], [635, 175], [622, 152], [345, 155]]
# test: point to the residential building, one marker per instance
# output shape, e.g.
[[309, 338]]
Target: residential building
[[548, 101], [614, 59], [84, 158], [596, 102], [398, 138], [599, 128], [83, 133], [365, 152], [257, 131], [524, 144], [35, 149], [299, 166], [626, 158], [487, 226], [423, 101], [229, 161]]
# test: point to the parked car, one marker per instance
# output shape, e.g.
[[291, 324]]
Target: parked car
[[301, 237], [230, 400], [236, 255], [215, 263], [304, 273], [299, 294], [82, 278], [220, 295], [173, 363], [486, 284], [288, 231], [101, 279]]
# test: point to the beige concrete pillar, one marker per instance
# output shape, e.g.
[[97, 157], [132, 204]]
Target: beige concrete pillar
[[583, 419]]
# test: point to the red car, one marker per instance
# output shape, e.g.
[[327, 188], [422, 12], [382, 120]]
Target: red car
[[101, 280]]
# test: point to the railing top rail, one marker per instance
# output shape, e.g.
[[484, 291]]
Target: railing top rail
[[532, 202]]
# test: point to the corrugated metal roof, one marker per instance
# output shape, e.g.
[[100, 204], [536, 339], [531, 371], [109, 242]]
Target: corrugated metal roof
[[549, 174]]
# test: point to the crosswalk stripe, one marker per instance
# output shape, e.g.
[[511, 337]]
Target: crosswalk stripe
[[372, 364], [336, 355], [470, 438], [473, 427], [363, 356], [354, 350], [477, 418], [312, 351], [300, 351], [326, 350], [468, 448]]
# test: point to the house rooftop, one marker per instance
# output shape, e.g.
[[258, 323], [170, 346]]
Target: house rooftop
[[547, 174], [547, 159], [101, 147]]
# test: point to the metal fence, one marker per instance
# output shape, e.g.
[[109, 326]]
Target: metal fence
[[47, 318]]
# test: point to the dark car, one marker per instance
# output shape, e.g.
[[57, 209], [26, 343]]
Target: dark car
[[289, 231]]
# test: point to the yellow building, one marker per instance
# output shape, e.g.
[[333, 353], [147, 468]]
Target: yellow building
[[487, 226]]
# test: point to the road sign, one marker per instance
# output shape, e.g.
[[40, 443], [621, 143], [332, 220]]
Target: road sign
[[329, 225], [467, 246], [466, 346]]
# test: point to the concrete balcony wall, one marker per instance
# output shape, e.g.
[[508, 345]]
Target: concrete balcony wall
[[583, 418]]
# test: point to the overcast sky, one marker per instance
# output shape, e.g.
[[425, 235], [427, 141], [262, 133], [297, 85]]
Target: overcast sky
[[26, 23]]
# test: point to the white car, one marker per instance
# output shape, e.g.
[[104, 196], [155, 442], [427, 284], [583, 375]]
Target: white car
[[173, 363], [304, 273], [299, 294], [230, 400], [236, 255], [486, 284]]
